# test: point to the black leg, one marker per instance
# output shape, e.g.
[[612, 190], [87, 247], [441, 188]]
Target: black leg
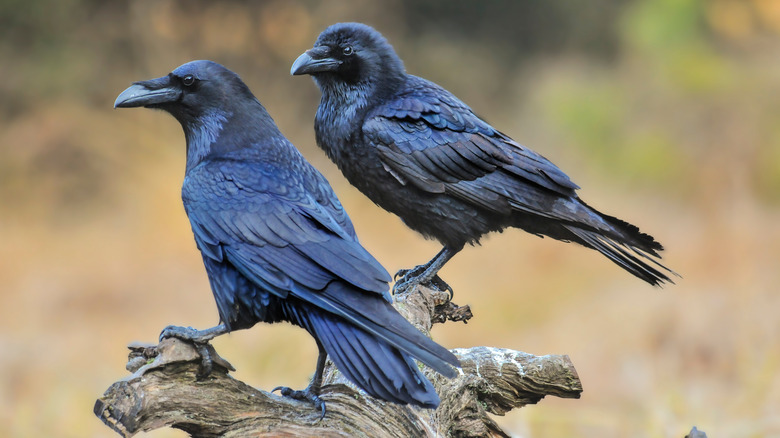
[[426, 274], [312, 392], [199, 338], [316, 381]]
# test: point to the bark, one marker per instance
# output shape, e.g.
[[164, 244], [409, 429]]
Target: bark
[[166, 390]]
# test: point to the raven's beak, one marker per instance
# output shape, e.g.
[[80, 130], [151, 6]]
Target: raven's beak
[[314, 61], [148, 93]]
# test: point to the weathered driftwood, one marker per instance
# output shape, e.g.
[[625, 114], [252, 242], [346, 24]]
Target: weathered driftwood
[[165, 390]]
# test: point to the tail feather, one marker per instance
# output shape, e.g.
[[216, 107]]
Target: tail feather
[[628, 253], [376, 316], [631, 234], [379, 369]]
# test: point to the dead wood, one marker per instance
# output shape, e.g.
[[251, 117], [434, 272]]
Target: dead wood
[[166, 391]]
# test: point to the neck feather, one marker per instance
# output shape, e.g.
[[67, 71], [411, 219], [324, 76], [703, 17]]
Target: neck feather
[[201, 135]]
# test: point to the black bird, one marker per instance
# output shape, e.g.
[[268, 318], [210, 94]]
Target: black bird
[[277, 244], [417, 151]]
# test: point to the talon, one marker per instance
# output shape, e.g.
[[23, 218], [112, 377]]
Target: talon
[[174, 331], [402, 286], [304, 395], [206, 364], [436, 283], [408, 274], [200, 340], [321, 405], [281, 388], [442, 286]]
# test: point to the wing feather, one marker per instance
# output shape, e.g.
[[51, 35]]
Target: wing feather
[[269, 232], [428, 138]]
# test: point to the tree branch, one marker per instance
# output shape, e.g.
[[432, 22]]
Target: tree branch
[[165, 390]]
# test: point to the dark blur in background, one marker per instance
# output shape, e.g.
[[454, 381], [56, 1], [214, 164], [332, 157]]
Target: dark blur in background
[[666, 112]]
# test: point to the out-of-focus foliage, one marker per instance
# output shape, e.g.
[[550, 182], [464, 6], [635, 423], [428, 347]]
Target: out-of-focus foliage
[[519, 30], [665, 111]]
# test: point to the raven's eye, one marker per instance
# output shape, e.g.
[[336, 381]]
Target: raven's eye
[[188, 80], [347, 50]]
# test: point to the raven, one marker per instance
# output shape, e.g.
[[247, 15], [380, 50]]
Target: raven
[[417, 151], [277, 244]]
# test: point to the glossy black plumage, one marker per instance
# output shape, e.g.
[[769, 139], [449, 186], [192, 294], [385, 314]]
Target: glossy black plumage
[[417, 151], [276, 242]]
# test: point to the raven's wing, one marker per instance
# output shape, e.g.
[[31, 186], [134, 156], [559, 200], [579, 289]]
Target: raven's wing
[[427, 137], [274, 230], [264, 221]]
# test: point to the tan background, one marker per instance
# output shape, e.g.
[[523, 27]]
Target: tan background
[[666, 112]]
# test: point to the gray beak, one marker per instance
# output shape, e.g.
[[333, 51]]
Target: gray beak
[[314, 61], [148, 93]]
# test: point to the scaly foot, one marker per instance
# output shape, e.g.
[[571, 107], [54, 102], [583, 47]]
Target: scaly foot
[[410, 278], [200, 339], [308, 394]]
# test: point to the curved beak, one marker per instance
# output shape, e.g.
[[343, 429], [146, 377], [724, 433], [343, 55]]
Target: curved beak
[[314, 61], [148, 93]]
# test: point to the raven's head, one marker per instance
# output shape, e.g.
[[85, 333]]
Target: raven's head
[[205, 98], [192, 91], [350, 53]]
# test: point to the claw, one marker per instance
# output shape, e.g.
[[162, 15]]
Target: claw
[[411, 279], [442, 286], [304, 395], [206, 363], [187, 334], [408, 277], [414, 272], [200, 339], [401, 287]]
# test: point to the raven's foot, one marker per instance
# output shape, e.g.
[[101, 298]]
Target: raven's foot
[[309, 394], [200, 339], [410, 278], [409, 273]]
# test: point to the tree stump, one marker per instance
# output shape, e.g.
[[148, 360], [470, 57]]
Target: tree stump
[[165, 389]]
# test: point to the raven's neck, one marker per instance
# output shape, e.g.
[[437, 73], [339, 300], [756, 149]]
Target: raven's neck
[[347, 100], [201, 134], [220, 132], [343, 108]]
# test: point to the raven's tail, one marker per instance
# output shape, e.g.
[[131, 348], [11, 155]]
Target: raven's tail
[[378, 368], [625, 245], [372, 344], [371, 313]]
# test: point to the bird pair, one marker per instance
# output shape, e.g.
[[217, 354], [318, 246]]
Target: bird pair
[[278, 245]]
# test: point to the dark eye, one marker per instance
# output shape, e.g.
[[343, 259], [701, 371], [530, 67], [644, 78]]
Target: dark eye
[[188, 80], [348, 50]]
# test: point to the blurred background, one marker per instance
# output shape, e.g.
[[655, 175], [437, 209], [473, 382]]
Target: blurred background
[[666, 112]]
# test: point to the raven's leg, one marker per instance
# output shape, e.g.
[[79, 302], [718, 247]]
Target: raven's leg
[[312, 392], [426, 274], [419, 269], [199, 338]]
